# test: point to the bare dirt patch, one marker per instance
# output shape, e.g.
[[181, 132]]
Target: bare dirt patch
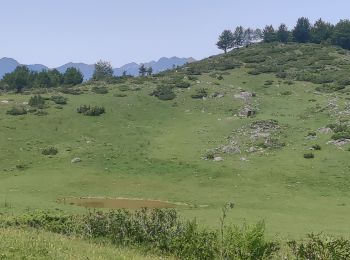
[[118, 203]]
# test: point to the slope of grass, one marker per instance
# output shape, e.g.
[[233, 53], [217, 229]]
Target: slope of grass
[[143, 147]]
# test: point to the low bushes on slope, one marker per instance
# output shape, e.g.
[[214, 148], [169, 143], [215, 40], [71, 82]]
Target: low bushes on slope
[[91, 111], [164, 92], [158, 231], [163, 232]]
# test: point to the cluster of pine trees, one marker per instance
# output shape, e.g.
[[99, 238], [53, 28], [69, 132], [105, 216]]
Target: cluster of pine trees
[[303, 32], [23, 78]]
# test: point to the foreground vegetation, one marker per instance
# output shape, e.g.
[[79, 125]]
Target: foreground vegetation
[[162, 232]]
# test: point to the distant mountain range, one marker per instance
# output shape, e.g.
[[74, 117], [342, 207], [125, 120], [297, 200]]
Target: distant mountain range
[[8, 65]]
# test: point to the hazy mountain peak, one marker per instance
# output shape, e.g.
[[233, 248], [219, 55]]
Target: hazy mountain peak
[[132, 68]]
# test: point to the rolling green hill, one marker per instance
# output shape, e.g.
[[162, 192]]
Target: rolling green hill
[[265, 108]]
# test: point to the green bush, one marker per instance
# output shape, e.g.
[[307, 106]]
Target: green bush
[[159, 231], [200, 93], [268, 82], [71, 91], [16, 111], [341, 135], [41, 113], [286, 93], [120, 95], [309, 155], [91, 111], [123, 88], [100, 90], [329, 88], [37, 101], [319, 247], [50, 151], [59, 100], [316, 147], [182, 84], [164, 92], [248, 243]]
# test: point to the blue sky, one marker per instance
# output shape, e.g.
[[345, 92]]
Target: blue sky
[[53, 32]]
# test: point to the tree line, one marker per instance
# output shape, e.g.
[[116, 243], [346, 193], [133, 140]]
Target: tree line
[[303, 32], [22, 78]]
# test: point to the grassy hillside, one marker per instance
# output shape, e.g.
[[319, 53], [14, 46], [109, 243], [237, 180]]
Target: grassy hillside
[[143, 147]]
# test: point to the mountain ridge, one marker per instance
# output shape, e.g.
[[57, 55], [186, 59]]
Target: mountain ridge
[[8, 65]]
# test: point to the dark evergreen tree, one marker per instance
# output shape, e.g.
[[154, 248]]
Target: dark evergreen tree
[[321, 31], [341, 35], [238, 36], [42, 80], [225, 41], [142, 70], [18, 79], [248, 36], [103, 71], [149, 71], [72, 76], [282, 34], [302, 30], [56, 78], [269, 34]]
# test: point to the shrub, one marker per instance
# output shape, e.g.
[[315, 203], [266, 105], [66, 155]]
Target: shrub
[[159, 231], [37, 101], [316, 147], [254, 72], [343, 81], [50, 151], [309, 155], [209, 155], [71, 91], [268, 82], [123, 88], [192, 78], [286, 93], [120, 95], [41, 113], [281, 74], [16, 111], [341, 135], [99, 90], [182, 84], [91, 111], [329, 88], [312, 133], [200, 93], [164, 92], [321, 247], [59, 100], [248, 243]]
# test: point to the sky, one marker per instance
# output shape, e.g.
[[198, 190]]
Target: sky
[[54, 32]]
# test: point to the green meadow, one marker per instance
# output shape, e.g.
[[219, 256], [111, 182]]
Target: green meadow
[[147, 148]]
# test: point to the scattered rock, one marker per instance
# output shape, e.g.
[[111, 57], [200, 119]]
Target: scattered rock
[[218, 159], [244, 159], [244, 95], [217, 95], [247, 111], [4, 101], [339, 142], [231, 148], [75, 160], [325, 130]]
